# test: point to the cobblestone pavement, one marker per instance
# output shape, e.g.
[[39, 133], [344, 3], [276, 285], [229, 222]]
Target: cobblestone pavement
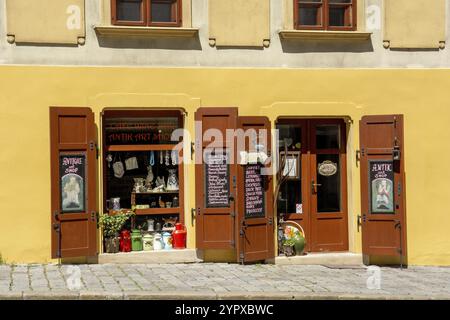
[[218, 281]]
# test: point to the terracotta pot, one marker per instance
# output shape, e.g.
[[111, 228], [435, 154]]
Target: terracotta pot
[[112, 245]]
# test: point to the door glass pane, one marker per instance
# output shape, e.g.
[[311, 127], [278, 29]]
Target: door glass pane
[[328, 183], [162, 11], [129, 10], [290, 135], [290, 197], [328, 136]]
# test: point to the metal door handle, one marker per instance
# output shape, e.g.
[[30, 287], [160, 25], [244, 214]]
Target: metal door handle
[[314, 185]]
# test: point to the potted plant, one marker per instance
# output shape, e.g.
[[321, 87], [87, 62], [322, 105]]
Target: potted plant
[[288, 247], [111, 225]]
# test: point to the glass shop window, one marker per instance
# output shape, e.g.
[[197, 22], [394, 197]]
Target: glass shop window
[[142, 169]]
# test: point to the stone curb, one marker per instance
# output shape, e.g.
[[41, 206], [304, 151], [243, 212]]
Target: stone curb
[[207, 295]]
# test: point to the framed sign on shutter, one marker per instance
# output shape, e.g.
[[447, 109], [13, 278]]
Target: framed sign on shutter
[[73, 182]]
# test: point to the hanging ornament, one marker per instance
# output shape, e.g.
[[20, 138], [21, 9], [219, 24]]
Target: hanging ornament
[[174, 157], [109, 159], [167, 158], [152, 158]]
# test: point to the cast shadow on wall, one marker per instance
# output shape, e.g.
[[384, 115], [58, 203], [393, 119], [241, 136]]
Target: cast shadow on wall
[[192, 43], [311, 46]]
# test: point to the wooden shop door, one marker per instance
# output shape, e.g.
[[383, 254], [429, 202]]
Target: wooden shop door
[[215, 176], [73, 158], [328, 185], [383, 186], [314, 193], [255, 223]]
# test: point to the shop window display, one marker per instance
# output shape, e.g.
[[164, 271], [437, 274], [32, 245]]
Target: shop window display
[[143, 172]]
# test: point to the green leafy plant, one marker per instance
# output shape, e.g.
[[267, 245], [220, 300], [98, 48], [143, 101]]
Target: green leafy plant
[[111, 224], [289, 242]]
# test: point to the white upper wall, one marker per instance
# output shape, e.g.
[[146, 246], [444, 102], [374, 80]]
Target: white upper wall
[[197, 52]]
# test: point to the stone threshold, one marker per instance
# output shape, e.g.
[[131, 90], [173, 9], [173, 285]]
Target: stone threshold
[[151, 257], [333, 259]]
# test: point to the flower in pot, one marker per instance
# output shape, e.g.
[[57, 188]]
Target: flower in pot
[[111, 225], [288, 247], [298, 238]]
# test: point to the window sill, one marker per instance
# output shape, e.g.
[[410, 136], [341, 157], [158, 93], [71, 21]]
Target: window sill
[[147, 32], [323, 35]]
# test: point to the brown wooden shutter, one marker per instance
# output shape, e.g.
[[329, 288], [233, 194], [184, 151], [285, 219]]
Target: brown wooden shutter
[[383, 186], [215, 209], [255, 226], [73, 182]]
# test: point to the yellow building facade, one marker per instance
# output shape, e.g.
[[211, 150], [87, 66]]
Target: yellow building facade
[[106, 68]]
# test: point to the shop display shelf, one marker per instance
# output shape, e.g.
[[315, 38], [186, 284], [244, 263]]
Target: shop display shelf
[[157, 211]]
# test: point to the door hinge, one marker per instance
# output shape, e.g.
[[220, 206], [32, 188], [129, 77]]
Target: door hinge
[[93, 146], [358, 155], [234, 182], [358, 222], [270, 221], [241, 257]]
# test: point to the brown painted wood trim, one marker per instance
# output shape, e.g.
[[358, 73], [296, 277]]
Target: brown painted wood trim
[[325, 16]]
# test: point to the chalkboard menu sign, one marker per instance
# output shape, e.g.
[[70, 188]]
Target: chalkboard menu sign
[[217, 180], [254, 192], [381, 174], [72, 183]]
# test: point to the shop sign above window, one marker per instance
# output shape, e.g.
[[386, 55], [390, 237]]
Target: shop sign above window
[[137, 131], [336, 15], [157, 13]]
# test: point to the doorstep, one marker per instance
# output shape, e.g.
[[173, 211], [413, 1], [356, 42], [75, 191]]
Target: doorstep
[[327, 259], [151, 257]]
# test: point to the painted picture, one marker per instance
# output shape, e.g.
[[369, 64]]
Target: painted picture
[[72, 187], [382, 186]]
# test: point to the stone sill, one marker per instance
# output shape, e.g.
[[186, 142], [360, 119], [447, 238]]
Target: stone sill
[[147, 32], [323, 35]]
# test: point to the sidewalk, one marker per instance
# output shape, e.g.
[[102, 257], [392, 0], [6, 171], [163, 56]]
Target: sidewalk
[[218, 281]]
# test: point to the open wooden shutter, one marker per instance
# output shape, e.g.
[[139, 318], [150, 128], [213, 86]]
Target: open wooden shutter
[[383, 186], [73, 182], [215, 179], [255, 222]]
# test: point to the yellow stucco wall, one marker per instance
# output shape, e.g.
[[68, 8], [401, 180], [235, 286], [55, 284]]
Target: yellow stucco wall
[[46, 21], [239, 22], [414, 23], [421, 95]]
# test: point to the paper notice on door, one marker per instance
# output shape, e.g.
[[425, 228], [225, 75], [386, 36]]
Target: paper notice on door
[[298, 208]]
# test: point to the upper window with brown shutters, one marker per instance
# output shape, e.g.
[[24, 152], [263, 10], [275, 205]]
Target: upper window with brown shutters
[[334, 15], [155, 13]]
